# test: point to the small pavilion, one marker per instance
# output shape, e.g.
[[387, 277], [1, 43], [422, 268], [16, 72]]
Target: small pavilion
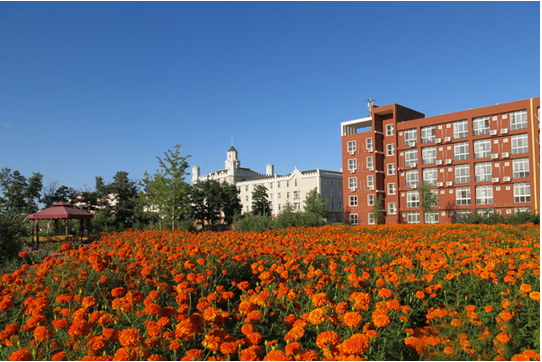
[[60, 211]]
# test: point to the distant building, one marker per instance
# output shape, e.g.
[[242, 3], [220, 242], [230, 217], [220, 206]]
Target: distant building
[[291, 188], [485, 160]]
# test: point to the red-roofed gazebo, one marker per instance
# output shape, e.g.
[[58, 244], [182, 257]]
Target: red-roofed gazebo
[[60, 211]]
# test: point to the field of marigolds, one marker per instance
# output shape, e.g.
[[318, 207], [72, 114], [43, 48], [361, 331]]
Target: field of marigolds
[[401, 292]]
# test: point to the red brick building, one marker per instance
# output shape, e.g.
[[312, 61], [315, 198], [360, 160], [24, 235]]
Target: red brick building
[[484, 160]]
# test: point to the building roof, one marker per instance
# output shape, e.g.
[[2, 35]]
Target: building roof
[[232, 149], [61, 210]]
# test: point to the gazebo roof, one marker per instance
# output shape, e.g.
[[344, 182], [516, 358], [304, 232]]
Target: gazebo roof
[[61, 210]]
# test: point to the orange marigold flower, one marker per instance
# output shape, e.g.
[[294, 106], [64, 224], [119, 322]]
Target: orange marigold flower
[[470, 308], [525, 288], [385, 293], [89, 302], [23, 254], [327, 338], [381, 318], [505, 315], [193, 355], [319, 299], [21, 355], [361, 300], [254, 316], [153, 309], [292, 348], [308, 355], [252, 353], [456, 322], [59, 356], [255, 338], [243, 285], [357, 344], [420, 294], [229, 348], [489, 309], [535, 296], [277, 355], [448, 351], [129, 337], [43, 333], [503, 338], [118, 292], [352, 319], [246, 329], [317, 317]]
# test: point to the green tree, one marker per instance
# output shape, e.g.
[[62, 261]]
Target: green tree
[[231, 203], [166, 192], [378, 209], [316, 204], [19, 195], [260, 201], [212, 201], [53, 194], [428, 198]]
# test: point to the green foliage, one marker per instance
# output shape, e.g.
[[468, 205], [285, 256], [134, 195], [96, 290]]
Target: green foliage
[[11, 230], [53, 194], [378, 209], [260, 201], [19, 195], [250, 222], [211, 200], [428, 197], [492, 219], [316, 204]]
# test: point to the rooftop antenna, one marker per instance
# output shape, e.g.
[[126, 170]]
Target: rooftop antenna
[[370, 103]]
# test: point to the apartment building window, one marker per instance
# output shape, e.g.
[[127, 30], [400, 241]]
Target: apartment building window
[[278, 183], [429, 155], [480, 125], [391, 188], [280, 206], [370, 200], [390, 149], [521, 209], [369, 144], [353, 219], [246, 188], [391, 168], [389, 130], [246, 198], [352, 165], [351, 146], [482, 171], [462, 196], [429, 134], [462, 173], [287, 183], [431, 217], [522, 192], [410, 136], [288, 194], [413, 198], [352, 200], [296, 194], [392, 208], [295, 182], [520, 168], [370, 163], [484, 195], [371, 182], [413, 217], [430, 175], [482, 148], [412, 178], [278, 196], [461, 129], [520, 144], [352, 182], [518, 120], [461, 151], [411, 157], [297, 206], [371, 219]]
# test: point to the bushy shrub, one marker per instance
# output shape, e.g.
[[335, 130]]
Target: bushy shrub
[[251, 222], [492, 219], [11, 231]]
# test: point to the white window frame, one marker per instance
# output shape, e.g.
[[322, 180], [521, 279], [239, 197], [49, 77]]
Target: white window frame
[[389, 130], [410, 135], [413, 199], [391, 169], [482, 148], [483, 171], [370, 181], [518, 120], [461, 129], [371, 218], [428, 134], [462, 173], [521, 168], [411, 156], [461, 151], [390, 149], [352, 165], [392, 189], [462, 196], [413, 217], [353, 219], [429, 155], [369, 143], [351, 146], [519, 144], [480, 126], [522, 192], [484, 195], [370, 199], [352, 182], [370, 162], [412, 178], [353, 200], [431, 217], [392, 208], [430, 175]]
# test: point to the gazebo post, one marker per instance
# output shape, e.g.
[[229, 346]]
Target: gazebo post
[[37, 235]]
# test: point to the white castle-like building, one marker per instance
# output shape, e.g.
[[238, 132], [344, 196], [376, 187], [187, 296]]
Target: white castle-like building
[[291, 188]]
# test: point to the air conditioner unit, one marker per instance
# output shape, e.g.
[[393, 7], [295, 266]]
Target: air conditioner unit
[[495, 179], [494, 156], [352, 170], [438, 140], [353, 152], [369, 149], [505, 155], [440, 184], [370, 168], [504, 130], [413, 186], [449, 183], [448, 161], [506, 179], [412, 164], [447, 139], [493, 132], [371, 188], [412, 144], [439, 162], [352, 189]]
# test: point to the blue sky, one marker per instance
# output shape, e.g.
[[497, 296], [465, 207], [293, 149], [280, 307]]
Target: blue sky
[[91, 88]]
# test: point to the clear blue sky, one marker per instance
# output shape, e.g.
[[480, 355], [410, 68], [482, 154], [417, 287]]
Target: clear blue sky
[[91, 88]]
